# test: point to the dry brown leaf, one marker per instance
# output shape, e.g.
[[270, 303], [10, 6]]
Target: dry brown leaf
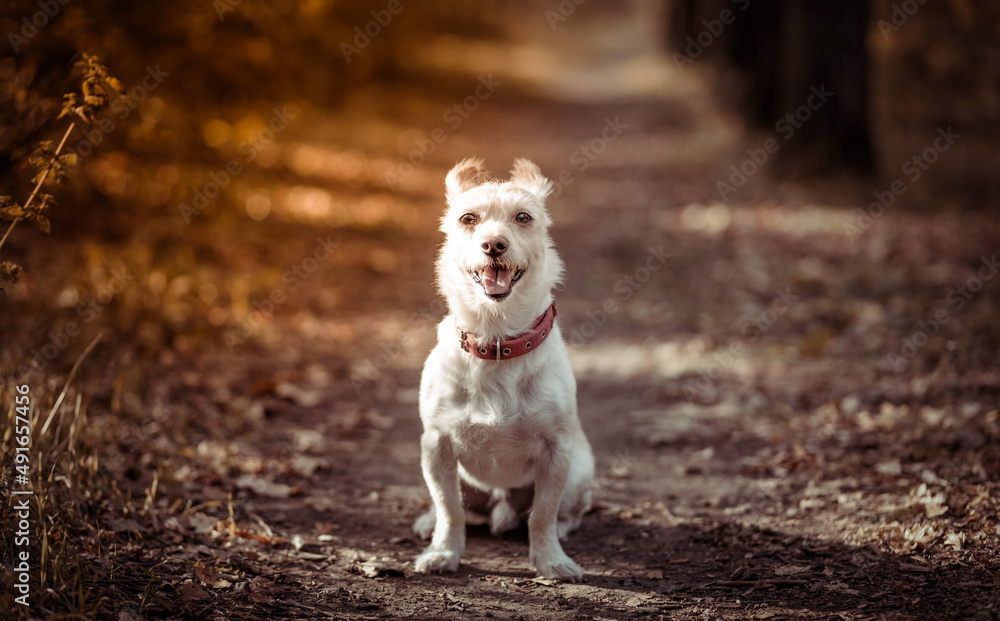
[[259, 591], [544, 581], [229, 527], [206, 574], [191, 592], [324, 528]]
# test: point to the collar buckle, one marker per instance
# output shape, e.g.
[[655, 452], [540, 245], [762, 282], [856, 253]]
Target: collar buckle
[[463, 344]]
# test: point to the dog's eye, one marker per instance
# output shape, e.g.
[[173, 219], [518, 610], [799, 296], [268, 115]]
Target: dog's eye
[[523, 218], [468, 219]]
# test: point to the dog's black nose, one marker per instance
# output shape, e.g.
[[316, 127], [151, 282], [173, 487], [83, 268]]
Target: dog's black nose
[[495, 246]]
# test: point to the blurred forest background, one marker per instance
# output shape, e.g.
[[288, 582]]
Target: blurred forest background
[[247, 242]]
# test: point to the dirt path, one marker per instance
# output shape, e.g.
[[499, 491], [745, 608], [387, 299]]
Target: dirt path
[[797, 478], [759, 453]]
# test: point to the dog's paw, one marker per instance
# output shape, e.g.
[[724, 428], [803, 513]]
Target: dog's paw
[[436, 560], [424, 526], [558, 567]]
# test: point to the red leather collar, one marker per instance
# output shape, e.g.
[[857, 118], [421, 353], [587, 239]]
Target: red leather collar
[[504, 349]]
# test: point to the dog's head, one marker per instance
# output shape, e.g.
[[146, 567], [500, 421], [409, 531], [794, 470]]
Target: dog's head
[[498, 257]]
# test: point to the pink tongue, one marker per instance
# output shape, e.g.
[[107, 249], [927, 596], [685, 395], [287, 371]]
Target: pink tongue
[[496, 282]]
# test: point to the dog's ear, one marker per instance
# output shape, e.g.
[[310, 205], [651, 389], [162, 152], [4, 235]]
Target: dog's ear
[[527, 175], [466, 175]]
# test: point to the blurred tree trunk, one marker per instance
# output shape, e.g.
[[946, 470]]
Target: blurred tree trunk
[[782, 49]]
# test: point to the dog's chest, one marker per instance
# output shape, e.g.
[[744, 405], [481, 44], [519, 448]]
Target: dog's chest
[[491, 435], [497, 419], [499, 453]]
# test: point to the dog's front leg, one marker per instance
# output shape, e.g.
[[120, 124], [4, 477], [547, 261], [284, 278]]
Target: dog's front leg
[[440, 467], [546, 553]]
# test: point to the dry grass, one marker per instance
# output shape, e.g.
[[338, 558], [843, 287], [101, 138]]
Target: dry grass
[[65, 479]]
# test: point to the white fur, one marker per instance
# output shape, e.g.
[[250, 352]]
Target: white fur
[[493, 427]]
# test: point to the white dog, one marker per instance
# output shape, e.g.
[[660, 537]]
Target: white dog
[[497, 394]]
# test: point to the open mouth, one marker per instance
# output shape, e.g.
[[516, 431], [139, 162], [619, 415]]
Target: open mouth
[[497, 280]]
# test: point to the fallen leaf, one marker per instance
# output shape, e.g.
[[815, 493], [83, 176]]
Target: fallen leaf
[[812, 503], [258, 590], [208, 575], [543, 581], [306, 466], [892, 468], [324, 528], [790, 570], [656, 574], [955, 540], [367, 569], [267, 488], [261, 598], [840, 587], [321, 504], [202, 523], [816, 341], [299, 396], [229, 527], [191, 592]]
